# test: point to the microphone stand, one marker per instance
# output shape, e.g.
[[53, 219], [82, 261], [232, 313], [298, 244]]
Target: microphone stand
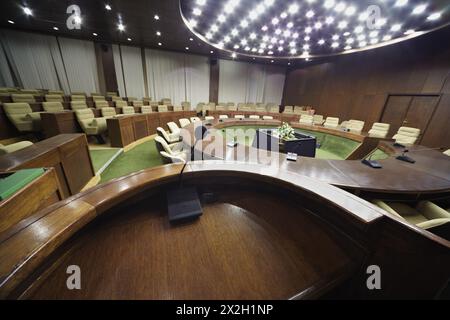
[[405, 158]]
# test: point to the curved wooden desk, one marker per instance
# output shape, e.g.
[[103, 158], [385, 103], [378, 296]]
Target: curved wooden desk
[[316, 242], [429, 175]]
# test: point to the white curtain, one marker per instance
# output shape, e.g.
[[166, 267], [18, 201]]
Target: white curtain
[[197, 79], [133, 71], [80, 64], [34, 59], [248, 82], [6, 79], [118, 68]]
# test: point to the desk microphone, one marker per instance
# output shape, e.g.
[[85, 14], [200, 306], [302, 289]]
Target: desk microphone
[[405, 158], [183, 202], [371, 163]]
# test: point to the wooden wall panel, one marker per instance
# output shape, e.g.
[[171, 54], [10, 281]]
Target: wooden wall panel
[[356, 86]]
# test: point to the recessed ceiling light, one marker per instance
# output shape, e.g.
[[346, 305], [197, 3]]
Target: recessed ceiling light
[[350, 11], [55, 28], [187, 48], [434, 16], [27, 11], [190, 39], [156, 17], [193, 23], [94, 34], [121, 27], [233, 55], [293, 8], [201, 2], [196, 12], [208, 35], [387, 37], [108, 7], [289, 63], [401, 3], [264, 28], [335, 44], [221, 18], [158, 33], [321, 42], [420, 9], [329, 20], [10, 21], [211, 51], [329, 4], [340, 7], [129, 39], [396, 27], [271, 61], [309, 14], [159, 44], [283, 15], [348, 48], [410, 31]]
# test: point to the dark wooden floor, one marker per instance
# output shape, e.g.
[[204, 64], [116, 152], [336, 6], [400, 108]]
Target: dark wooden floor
[[254, 247]]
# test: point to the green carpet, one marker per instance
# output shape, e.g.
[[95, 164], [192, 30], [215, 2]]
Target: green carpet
[[332, 147], [141, 157], [101, 156]]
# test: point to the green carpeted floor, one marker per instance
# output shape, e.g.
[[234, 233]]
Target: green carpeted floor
[[141, 157], [101, 156]]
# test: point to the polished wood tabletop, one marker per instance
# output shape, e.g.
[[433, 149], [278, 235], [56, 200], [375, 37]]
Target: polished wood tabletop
[[429, 175]]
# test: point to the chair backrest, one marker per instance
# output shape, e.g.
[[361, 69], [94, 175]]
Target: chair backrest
[[195, 119], [97, 94], [146, 99], [231, 106], [52, 106], [251, 106], [166, 101], [223, 116], [186, 105], [138, 103], [108, 112], [200, 106], [111, 94], [318, 118], [55, 92], [177, 108], [77, 97], [116, 98], [84, 114], [17, 108], [173, 127], [409, 132], [332, 120], [131, 99], [21, 97], [306, 118], [288, 109], [146, 109], [30, 91], [211, 106], [54, 98], [99, 104], [128, 110], [184, 122], [121, 103], [163, 108], [241, 106], [381, 126], [261, 107], [76, 105], [273, 108], [357, 123], [221, 107], [78, 93], [163, 143], [161, 132], [98, 98]]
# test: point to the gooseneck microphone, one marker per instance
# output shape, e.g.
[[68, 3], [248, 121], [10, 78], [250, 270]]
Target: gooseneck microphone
[[405, 158]]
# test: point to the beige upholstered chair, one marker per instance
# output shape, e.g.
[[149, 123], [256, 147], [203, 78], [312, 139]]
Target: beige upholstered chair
[[299, 110], [355, 125], [195, 119], [54, 98], [173, 152], [97, 94], [128, 110], [52, 106], [30, 91], [261, 107], [22, 97], [199, 108], [169, 137], [22, 116], [116, 98], [406, 135], [55, 92], [223, 116], [184, 122], [209, 118], [78, 97], [379, 130], [111, 94], [98, 98], [121, 104], [138, 103], [239, 116], [267, 118], [78, 93], [186, 105], [14, 147], [273, 108], [307, 120], [173, 127], [77, 105], [241, 106], [108, 112], [318, 119], [221, 107], [447, 152], [146, 109], [425, 214], [231, 106], [99, 104], [177, 108], [131, 99], [251, 106], [147, 100], [163, 108], [90, 124], [288, 110], [331, 122], [166, 101], [254, 117]]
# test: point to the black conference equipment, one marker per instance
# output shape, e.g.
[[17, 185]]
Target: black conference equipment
[[371, 163], [302, 145], [183, 203], [405, 158]]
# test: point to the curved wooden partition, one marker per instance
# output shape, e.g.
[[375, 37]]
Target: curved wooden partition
[[265, 235], [429, 176]]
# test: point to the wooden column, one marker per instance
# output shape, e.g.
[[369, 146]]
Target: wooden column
[[105, 55], [214, 80]]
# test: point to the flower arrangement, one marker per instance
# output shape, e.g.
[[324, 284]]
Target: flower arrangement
[[286, 132]]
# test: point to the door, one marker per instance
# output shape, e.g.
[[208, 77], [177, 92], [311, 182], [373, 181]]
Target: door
[[409, 111]]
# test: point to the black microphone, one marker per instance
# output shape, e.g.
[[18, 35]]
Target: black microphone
[[371, 163], [405, 158]]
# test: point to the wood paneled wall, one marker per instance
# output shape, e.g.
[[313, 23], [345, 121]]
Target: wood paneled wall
[[356, 86]]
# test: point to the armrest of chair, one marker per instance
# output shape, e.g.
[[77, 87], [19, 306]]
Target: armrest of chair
[[432, 211], [174, 158], [33, 116], [433, 223]]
